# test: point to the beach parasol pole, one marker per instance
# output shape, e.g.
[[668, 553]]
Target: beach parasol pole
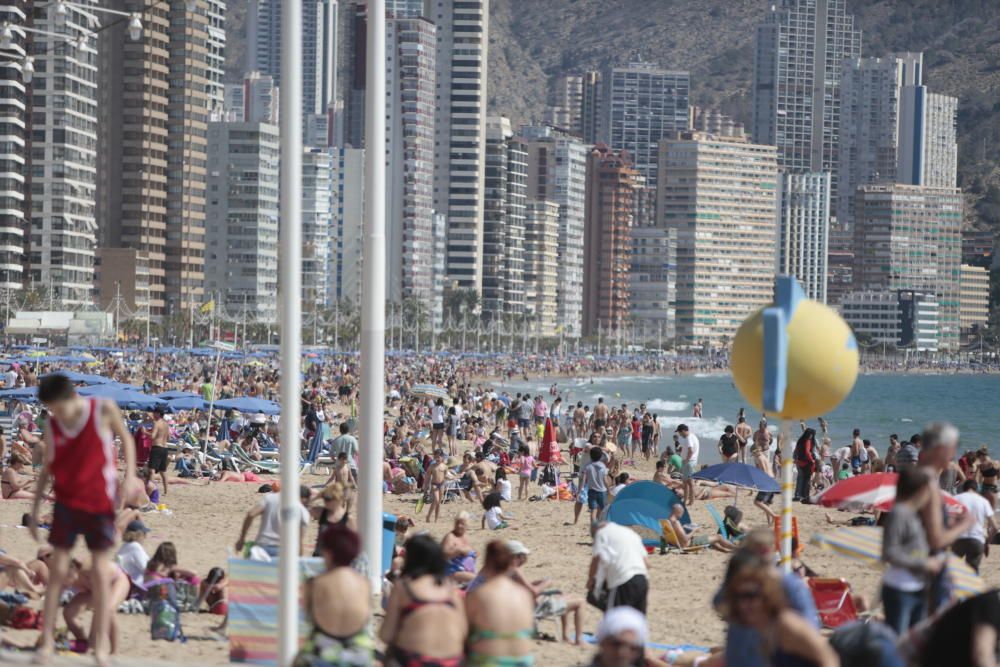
[[786, 494], [373, 302], [290, 300]]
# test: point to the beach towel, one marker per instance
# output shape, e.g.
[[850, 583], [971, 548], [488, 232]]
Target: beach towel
[[253, 609]]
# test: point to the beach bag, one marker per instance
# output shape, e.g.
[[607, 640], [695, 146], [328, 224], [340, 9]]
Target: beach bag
[[548, 477], [164, 612]]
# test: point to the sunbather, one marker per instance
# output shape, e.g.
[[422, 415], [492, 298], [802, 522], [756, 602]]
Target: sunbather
[[687, 539], [548, 601], [15, 483], [499, 611]]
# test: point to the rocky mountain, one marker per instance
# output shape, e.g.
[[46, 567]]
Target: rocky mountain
[[534, 40]]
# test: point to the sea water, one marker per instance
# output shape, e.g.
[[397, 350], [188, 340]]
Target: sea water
[[879, 405]]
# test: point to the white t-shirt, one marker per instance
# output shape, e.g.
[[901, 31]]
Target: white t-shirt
[[269, 534], [503, 486], [621, 552], [841, 455], [692, 445], [133, 559], [494, 517], [980, 509], [10, 379], [437, 414]]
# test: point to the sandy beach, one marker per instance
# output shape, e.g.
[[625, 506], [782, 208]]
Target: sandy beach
[[204, 523]]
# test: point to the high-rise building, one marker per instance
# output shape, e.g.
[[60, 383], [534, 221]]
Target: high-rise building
[[720, 194], [317, 226], [541, 266], [612, 181], [870, 134], [459, 133], [503, 220], [12, 153], [713, 121], [590, 107], [800, 51], [909, 237], [135, 129], [63, 154], [348, 224], [804, 230], [928, 153], [242, 212], [902, 318], [215, 62], [256, 100], [565, 107], [974, 298], [409, 155], [650, 279], [188, 111], [642, 104], [319, 48], [557, 171]]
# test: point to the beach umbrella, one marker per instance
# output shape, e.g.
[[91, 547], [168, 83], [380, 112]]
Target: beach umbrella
[[124, 397], [874, 491], [739, 474], [84, 378], [864, 544], [248, 404], [428, 391], [548, 450], [187, 403], [23, 394], [177, 393]]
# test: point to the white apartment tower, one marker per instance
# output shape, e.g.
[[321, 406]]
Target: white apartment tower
[[503, 220], [63, 222], [804, 230], [13, 113], [409, 156], [215, 63], [317, 226], [241, 261], [800, 50], [459, 133], [557, 172], [642, 104]]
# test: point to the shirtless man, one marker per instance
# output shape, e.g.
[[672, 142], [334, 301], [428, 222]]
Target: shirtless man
[[342, 473], [457, 549], [600, 417], [761, 447], [857, 446], [436, 476], [744, 433], [158, 452], [698, 407]]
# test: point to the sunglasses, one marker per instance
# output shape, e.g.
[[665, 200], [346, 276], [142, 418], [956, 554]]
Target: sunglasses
[[748, 595]]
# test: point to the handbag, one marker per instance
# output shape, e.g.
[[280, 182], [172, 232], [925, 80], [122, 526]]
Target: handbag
[[598, 598]]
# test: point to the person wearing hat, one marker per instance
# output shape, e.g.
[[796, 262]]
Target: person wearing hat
[[132, 555], [548, 603], [621, 638], [689, 447]]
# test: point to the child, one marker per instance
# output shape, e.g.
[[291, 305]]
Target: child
[[502, 485], [525, 463], [844, 472], [163, 565], [213, 592], [906, 552], [493, 517]]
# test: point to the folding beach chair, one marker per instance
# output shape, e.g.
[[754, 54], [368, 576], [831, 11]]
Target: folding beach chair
[[671, 542], [719, 521], [833, 601]]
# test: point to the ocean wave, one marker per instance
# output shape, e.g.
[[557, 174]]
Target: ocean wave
[[708, 429], [667, 406]]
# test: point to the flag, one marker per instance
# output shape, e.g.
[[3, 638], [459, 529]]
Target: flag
[[559, 329], [208, 306]]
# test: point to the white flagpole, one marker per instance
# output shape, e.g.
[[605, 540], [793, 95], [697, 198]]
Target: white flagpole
[[373, 301], [290, 300]]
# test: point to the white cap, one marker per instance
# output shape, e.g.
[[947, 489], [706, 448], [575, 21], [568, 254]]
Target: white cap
[[623, 619], [517, 548]]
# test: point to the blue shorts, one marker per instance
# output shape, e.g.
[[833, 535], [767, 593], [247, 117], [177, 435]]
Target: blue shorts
[[595, 499], [523, 423], [687, 470]]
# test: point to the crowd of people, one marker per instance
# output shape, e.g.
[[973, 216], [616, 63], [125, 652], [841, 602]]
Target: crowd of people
[[480, 448]]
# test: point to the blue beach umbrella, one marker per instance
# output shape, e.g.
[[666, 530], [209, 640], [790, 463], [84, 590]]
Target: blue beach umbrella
[[247, 404], [187, 403], [25, 394], [125, 398], [84, 378], [177, 393], [739, 474]]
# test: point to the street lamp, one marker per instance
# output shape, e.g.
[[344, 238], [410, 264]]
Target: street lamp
[[60, 10]]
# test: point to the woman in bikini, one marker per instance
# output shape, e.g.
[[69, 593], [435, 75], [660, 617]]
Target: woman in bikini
[[15, 483], [338, 604], [333, 511], [500, 613], [424, 624]]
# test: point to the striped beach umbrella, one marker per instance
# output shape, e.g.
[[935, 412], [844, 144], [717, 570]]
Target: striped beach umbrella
[[429, 391], [860, 491], [864, 544]]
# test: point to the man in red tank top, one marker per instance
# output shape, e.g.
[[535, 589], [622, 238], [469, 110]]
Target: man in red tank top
[[80, 461]]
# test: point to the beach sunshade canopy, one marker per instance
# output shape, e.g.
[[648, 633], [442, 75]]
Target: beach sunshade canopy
[[429, 391], [177, 393], [739, 474], [248, 404], [654, 493], [84, 378], [187, 403], [864, 544], [25, 394], [637, 512], [128, 399]]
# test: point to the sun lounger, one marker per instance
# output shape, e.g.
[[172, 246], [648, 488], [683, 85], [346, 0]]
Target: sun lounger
[[833, 601], [671, 542]]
